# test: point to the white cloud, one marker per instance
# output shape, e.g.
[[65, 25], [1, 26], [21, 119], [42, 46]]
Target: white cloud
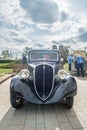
[[38, 23], [40, 11]]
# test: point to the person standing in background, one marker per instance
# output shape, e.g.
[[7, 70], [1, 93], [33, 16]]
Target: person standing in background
[[24, 59], [70, 60], [80, 65]]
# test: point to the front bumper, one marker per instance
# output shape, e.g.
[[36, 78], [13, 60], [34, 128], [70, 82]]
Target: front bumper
[[66, 88]]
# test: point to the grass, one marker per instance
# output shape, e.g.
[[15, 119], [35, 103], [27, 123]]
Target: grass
[[7, 65], [6, 68], [6, 71]]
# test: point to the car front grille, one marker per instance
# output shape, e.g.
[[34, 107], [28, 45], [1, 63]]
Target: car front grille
[[44, 81]]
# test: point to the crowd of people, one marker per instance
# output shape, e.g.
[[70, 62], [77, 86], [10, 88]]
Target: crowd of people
[[79, 63]]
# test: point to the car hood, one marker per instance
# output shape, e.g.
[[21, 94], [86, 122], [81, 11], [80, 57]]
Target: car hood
[[37, 63]]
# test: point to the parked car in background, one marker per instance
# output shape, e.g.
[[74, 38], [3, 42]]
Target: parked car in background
[[43, 82]]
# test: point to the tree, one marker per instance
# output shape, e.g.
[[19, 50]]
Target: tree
[[26, 50], [5, 54], [54, 47], [64, 52]]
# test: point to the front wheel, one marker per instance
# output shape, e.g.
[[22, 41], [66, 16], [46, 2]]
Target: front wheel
[[69, 102], [16, 102]]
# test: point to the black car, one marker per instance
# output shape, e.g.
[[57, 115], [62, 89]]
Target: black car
[[43, 82]]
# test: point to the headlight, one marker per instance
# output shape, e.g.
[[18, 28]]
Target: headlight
[[61, 59], [62, 74], [24, 73]]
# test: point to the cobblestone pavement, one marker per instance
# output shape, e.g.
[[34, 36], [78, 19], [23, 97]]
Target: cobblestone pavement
[[44, 117]]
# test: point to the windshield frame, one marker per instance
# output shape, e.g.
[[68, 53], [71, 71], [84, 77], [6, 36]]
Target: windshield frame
[[44, 52]]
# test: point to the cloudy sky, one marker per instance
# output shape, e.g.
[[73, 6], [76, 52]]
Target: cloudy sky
[[42, 23]]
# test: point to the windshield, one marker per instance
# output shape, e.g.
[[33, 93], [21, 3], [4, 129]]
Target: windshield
[[44, 56]]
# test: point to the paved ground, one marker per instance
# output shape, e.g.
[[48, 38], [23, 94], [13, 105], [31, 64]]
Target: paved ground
[[44, 117]]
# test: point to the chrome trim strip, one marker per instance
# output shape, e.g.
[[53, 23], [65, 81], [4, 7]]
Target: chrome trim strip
[[43, 79], [44, 99]]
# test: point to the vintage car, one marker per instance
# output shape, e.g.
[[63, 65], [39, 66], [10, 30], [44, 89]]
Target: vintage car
[[43, 82]]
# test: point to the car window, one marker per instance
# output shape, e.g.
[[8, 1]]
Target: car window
[[42, 55]]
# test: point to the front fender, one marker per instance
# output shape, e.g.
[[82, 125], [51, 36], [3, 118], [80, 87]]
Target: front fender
[[67, 87], [15, 82], [17, 85]]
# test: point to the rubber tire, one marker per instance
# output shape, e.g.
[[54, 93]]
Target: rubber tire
[[69, 102], [13, 101]]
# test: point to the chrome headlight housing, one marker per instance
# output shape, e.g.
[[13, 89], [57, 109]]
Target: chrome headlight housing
[[24, 73], [61, 74]]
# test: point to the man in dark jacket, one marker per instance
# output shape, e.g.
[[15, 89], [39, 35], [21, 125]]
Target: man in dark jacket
[[80, 65], [24, 59]]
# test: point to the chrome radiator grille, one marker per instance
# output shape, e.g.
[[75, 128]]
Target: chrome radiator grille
[[43, 81]]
